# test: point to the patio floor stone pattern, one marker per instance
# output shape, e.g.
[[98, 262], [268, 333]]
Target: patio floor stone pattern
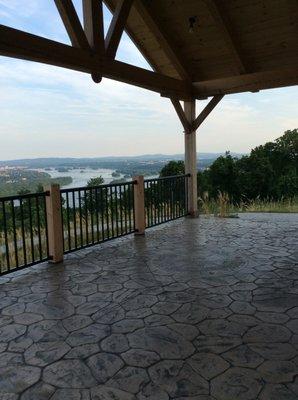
[[201, 309]]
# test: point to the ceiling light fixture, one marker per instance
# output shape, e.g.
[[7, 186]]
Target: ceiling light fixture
[[192, 21]]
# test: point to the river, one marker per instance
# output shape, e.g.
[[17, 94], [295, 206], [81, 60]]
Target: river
[[80, 176]]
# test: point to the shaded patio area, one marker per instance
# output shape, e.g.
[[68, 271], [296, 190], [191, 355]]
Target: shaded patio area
[[197, 309]]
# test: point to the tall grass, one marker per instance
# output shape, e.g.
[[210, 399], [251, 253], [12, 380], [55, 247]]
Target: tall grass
[[223, 207]]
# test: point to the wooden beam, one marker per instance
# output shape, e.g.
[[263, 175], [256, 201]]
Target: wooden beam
[[218, 12], [163, 39], [206, 111], [116, 27], [160, 83], [93, 24], [287, 76], [181, 114], [19, 44], [72, 24], [146, 55]]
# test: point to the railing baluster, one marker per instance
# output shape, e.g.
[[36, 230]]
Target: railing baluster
[[86, 216], [132, 210], [5, 236], [23, 232], [130, 202], [102, 215], [14, 233], [46, 225], [74, 219], [126, 205], [91, 216], [81, 220], [38, 227], [112, 210], [116, 209], [96, 213], [62, 219], [107, 212], [31, 230], [121, 211], [68, 221]]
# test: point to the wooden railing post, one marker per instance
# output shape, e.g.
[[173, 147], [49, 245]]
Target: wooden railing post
[[139, 205], [54, 221]]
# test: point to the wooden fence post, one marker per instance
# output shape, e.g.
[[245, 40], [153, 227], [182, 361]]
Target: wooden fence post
[[139, 205], [54, 221]]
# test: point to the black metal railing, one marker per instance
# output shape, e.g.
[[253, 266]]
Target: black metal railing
[[23, 231], [92, 215], [165, 199]]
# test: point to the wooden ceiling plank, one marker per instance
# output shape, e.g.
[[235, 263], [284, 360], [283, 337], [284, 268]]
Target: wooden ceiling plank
[[116, 27], [216, 9], [206, 111], [181, 114], [72, 23], [23, 45], [163, 39]]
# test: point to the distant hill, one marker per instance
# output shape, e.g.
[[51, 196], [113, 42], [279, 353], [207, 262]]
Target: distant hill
[[72, 161]]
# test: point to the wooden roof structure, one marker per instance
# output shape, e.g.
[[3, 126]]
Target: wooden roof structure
[[197, 48]]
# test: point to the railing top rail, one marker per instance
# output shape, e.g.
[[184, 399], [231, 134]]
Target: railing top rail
[[23, 196], [167, 177], [97, 187]]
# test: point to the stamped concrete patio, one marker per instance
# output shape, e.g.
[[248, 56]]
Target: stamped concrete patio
[[198, 309]]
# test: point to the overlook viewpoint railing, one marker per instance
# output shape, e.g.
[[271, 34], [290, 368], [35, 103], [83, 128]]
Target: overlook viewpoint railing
[[23, 231], [92, 215], [44, 226], [165, 199]]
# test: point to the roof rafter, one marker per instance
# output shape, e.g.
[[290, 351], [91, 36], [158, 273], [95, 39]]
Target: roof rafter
[[23, 45], [216, 9], [132, 37], [116, 27], [93, 25], [206, 111], [72, 23], [163, 39]]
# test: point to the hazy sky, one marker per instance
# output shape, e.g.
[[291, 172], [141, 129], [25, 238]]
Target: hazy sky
[[49, 111]]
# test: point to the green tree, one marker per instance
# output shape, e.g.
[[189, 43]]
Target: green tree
[[95, 181], [95, 199], [172, 168], [268, 172], [222, 176]]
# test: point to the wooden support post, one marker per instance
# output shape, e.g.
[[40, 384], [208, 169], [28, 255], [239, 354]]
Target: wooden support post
[[191, 159], [54, 221], [139, 205]]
